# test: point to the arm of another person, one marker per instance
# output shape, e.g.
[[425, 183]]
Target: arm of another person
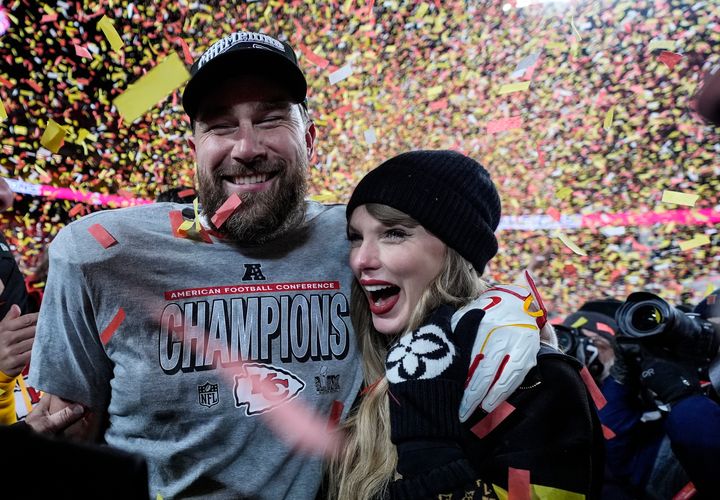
[[16, 339], [693, 427]]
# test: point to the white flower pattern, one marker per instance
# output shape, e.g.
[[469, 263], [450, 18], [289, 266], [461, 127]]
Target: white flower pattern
[[420, 355]]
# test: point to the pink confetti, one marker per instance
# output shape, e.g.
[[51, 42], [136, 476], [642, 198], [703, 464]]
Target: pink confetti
[[504, 124]]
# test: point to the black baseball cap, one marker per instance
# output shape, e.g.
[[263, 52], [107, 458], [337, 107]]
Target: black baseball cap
[[242, 53]]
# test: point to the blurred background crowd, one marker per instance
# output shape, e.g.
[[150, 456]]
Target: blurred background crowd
[[604, 127]]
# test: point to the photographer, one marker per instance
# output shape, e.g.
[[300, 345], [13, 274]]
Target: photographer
[[663, 426]]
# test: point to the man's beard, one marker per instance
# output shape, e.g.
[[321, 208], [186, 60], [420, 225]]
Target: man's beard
[[263, 215]]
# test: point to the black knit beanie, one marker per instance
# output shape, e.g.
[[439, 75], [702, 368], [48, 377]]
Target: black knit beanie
[[449, 194]]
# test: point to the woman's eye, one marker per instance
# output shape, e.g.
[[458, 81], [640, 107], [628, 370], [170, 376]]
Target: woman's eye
[[396, 234], [354, 239]]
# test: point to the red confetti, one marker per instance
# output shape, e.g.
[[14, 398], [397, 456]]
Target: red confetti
[[186, 50], [438, 105], [226, 210], [670, 59], [607, 432], [313, 57], [186, 192], [593, 389], [492, 420], [108, 332], [604, 328], [76, 209], [48, 18], [102, 236], [688, 491], [518, 484], [503, 124], [335, 414], [82, 51], [554, 213]]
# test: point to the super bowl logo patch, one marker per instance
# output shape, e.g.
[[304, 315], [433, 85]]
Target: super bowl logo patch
[[208, 394], [260, 388], [326, 383]]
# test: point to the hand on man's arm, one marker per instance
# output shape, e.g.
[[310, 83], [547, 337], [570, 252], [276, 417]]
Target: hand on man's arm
[[17, 333], [44, 421]]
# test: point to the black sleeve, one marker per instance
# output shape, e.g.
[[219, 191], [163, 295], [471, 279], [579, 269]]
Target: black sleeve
[[12, 279]]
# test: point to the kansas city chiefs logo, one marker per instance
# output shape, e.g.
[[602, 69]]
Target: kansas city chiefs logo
[[261, 388]]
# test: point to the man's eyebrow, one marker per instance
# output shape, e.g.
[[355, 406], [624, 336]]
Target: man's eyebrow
[[274, 105]]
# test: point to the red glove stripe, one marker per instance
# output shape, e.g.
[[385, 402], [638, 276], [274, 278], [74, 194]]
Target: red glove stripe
[[473, 367]]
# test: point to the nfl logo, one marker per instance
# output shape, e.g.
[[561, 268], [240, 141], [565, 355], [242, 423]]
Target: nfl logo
[[208, 394]]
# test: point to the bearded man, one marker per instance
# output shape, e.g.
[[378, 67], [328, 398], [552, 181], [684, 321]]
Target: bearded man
[[179, 327]]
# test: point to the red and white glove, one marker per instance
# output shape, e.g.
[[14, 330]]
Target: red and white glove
[[506, 344]]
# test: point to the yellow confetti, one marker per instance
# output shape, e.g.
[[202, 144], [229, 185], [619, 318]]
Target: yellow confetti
[[563, 192], [3, 113], [662, 44], [572, 246], [158, 497], [708, 290], [434, 92], [698, 241], [609, 118], [679, 198], [53, 136], [151, 88], [106, 25], [422, 10], [556, 45], [509, 88], [579, 322]]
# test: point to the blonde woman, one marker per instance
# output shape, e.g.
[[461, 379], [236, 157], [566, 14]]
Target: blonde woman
[[421, 227]]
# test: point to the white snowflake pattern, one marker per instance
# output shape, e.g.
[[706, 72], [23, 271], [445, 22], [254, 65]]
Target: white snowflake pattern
[[422, 354]]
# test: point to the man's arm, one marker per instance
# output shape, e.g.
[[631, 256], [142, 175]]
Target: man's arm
[[44, 421]]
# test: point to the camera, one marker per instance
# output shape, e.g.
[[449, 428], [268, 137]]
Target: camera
[[573, 343], [654, 323]]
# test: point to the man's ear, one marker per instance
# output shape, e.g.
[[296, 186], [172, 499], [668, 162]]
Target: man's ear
[[310, 135]]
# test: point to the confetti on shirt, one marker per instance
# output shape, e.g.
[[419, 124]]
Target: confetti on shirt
[[102, 235], [112, 327]]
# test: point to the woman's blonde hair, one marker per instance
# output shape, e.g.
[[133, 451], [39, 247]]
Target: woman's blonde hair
[[367, 464]]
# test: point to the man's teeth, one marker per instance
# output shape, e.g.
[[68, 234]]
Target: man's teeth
[[250, 179], [377, 288]]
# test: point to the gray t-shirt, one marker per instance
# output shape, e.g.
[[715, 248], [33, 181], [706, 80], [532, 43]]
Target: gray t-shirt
[[188, 344]]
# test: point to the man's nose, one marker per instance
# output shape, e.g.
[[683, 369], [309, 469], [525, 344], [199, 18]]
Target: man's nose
[[248, 146]]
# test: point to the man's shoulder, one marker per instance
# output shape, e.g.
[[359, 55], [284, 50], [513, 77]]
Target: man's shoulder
[[330, 214], [120, 223]]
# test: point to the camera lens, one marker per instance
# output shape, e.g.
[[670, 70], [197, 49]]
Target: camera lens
[[646, 317]]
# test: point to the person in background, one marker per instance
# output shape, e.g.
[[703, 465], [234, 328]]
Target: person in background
[[17, 326], [421, 229]]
